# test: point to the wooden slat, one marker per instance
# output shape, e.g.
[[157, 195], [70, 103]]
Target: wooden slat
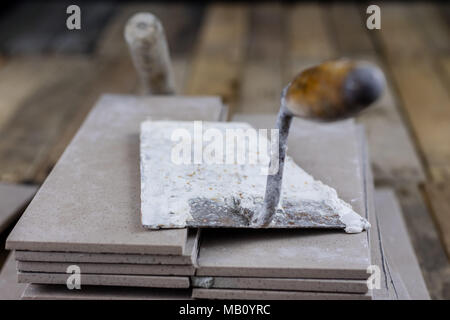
[[399, 34], [46, 20], [425, 99], [439, 199], [309, 33], [433, 26], [393, 156], [350, 30], [12, 25], [19, 78], [262, 70], [427, 245], [40, 119], [217, 62], [427, 103]]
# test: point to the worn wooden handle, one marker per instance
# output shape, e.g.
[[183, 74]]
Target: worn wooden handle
[[334, 90], [146, 40]]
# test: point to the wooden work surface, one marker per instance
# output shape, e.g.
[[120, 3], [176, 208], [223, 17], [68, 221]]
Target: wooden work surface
[[50, 78]]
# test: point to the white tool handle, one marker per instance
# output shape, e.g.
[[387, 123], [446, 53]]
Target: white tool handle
[[149, 51]]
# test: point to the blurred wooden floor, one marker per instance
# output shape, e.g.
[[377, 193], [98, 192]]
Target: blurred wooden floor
[[50, 78]]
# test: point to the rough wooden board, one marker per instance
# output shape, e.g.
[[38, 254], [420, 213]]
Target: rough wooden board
[[266, 34], [111, 76], [13, 198], [172, 196], [9, 288], [439, 199], [399, 33], [427, 245], [432, 24], [350, 30], [3, 257], [20, 78], [107, 268], [425, 98], [189, 257], [444, 66], [309, 34], [261, 87], [98, 175], [392, 154], [296, 284], [214, 76], [244, 253], [106, 280], [226, 294], [181, 23], [55, 292], [261, 83], [426, 101], [42, 117], [397, 244], [217, 61], [387, 290]]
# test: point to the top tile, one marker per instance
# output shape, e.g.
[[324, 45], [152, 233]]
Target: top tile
[[90, 201]]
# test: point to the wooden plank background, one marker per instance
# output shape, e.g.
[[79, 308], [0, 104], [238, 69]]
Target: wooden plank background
[[50, 77]]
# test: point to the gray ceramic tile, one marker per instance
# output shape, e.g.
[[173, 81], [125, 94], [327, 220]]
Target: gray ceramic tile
[[90, 201], [226, 294], [9, 288], [189, 257], [55, 292], [106, 280], [330, 153], [13, 198], [107, 268], [398, 247], [324, 285]]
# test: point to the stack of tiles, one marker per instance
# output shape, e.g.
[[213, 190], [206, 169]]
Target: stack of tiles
[[93, 221], [314, 264], [87, 213], [296, 264]]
